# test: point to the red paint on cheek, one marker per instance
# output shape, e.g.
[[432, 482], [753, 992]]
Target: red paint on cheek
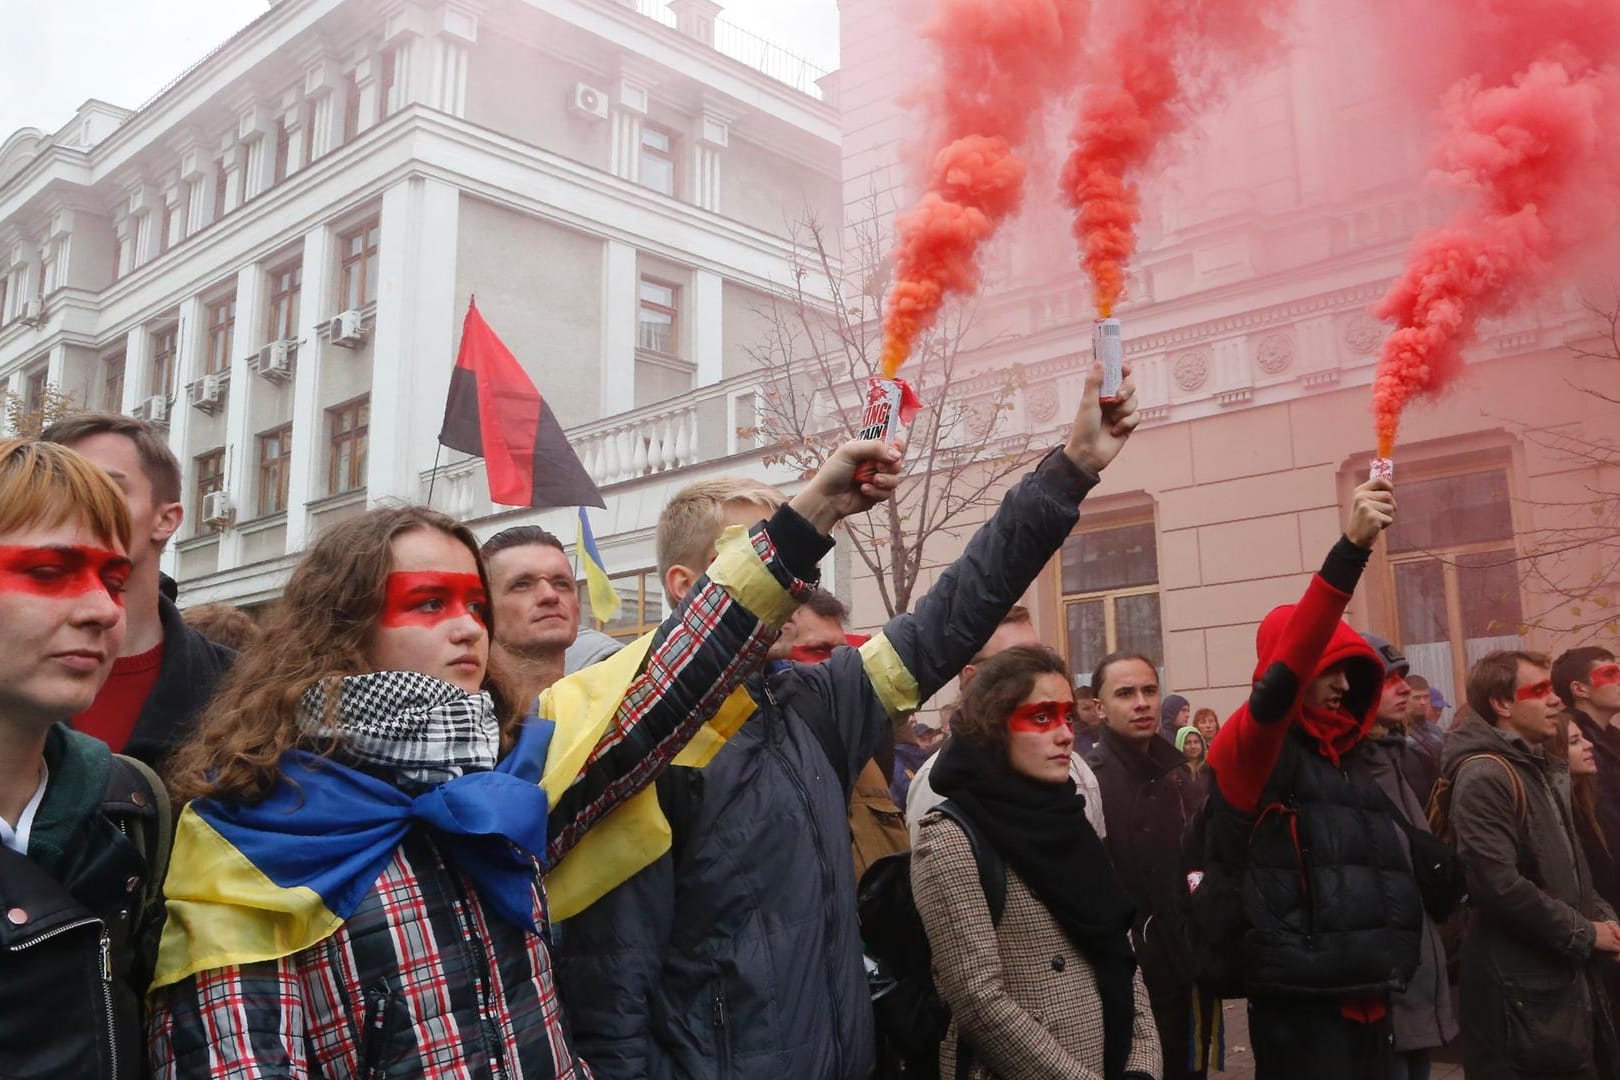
[[61, 572], [1605, 675], [430, 597], [1040, 717]]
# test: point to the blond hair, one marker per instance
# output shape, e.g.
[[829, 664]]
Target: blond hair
[[694, 519], [43, 484]]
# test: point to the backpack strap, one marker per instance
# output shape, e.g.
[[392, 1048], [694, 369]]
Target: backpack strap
[[131, 784], [1521, 800], [992, 870]]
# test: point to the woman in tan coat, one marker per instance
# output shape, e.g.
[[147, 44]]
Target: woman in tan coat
[[1052, 991]]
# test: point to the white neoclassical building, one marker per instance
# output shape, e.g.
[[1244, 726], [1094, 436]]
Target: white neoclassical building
[[272, 257]]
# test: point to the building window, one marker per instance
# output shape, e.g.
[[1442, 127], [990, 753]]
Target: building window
[[1110, 595], [1454, 567], [165, 343], [640, 605], [657, 160], [286, 284], [390, 72], [275, 466], [358, 282], [210, 478], [34, 389], [221, 325], [658, 311], [112, 383], [348, 424]]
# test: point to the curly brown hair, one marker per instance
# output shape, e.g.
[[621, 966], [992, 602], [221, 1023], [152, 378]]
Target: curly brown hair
[[319, 630], [998, 687]]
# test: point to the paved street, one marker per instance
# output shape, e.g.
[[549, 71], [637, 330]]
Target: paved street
[[1240, 1062]]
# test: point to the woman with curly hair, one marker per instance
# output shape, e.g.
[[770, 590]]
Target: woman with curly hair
[[1052, 988], [356, 886]]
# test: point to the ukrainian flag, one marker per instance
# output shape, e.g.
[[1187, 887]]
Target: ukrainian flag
[[604, 597]]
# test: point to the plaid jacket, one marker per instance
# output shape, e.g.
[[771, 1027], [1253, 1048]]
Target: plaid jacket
[[422, 981], [1022, 997]]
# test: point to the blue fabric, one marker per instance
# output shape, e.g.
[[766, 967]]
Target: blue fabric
[[332, 829]]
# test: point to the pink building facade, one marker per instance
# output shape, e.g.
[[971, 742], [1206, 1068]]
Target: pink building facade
[[1269, 232]]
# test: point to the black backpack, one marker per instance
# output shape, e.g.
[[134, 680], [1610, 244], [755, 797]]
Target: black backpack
[[911, 1018]]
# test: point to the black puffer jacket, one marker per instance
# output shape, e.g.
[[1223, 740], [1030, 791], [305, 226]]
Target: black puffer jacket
[[740, 955], [74, 957]]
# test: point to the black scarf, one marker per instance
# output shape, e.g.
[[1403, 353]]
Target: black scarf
[[1040, 830]]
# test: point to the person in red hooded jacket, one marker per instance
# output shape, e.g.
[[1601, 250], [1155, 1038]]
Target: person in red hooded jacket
[[1307, 885]]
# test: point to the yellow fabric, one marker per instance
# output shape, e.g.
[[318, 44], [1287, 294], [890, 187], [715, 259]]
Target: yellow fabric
[[893, 682], [635, 834], [738, 569], [223, 911]]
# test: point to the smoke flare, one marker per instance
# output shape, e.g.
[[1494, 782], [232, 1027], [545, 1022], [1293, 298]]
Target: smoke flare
[[999, 62], [1531, 128], [1166, 58]]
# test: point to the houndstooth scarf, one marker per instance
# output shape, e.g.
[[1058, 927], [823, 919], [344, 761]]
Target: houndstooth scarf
[[419, 730]]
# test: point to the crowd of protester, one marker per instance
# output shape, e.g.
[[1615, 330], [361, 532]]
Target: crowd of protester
[[417, 821]]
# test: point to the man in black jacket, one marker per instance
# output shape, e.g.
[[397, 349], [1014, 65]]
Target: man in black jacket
[[1587, 681], [739, 954], [166, 671], [1148, 799], [77, 911]]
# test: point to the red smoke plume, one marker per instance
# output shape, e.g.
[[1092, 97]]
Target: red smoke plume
[[1532, 129], [1166, 58], [999, 62]]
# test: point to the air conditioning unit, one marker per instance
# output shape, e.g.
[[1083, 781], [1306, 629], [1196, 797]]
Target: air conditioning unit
[[346, 330], [206, 393], [588, 101], [154, 410], [216, 508], [275, 361], [33, 313]]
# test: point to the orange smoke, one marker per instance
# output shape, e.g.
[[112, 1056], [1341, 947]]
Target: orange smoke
[[1532, 130], [1166, 58], [999, 62]]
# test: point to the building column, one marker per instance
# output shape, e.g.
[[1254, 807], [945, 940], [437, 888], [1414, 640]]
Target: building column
[[619, 307], [234, 156], [368, 80], [308, 437], [629, 110], [415, 334], [174, 203], [124, 234], [324, 89], [187, 365], [707, 321], [197, 175], [137, 366], [251, 295], [292, 121], [710, 136], [143, 202], [256, 128]]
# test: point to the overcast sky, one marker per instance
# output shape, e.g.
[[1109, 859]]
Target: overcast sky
[[56, 54]]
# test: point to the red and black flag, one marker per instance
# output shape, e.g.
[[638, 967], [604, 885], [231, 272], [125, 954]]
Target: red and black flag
[[495, 412]]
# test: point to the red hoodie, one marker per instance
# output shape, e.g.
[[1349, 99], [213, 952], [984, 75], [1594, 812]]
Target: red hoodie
[[1305, 639]]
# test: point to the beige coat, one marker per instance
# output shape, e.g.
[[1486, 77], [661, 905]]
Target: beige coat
[[1022, 997]]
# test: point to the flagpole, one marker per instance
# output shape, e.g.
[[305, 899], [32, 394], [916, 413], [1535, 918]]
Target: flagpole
[[433, 476]]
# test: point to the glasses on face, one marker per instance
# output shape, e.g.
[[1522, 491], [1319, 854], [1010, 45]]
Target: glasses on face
[[1040, 717], [1542, 689]]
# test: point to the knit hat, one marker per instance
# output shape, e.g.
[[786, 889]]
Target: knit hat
[[1181, 738], [1394, 661]]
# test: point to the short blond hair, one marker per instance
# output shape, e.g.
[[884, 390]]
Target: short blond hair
[[693, 520], [43, 484]]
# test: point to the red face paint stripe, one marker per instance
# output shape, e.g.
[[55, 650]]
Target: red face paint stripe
[[430, 597], [1605, 675], [1542, 689], [1040, 717], [63, 571]]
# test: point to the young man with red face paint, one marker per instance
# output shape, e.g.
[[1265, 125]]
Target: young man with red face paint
[[74, 910], [166, 671], [1539, 937], [1308, 903]]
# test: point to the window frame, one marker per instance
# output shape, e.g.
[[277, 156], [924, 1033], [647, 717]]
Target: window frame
[[108, 362], [208, 482], [1448, 557], [162, 368], [221, 333], [285, 308], [647, 601], [359, 433], [1109, 597], [672, 310], [279, 466], [363, 262], [667, 155]]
